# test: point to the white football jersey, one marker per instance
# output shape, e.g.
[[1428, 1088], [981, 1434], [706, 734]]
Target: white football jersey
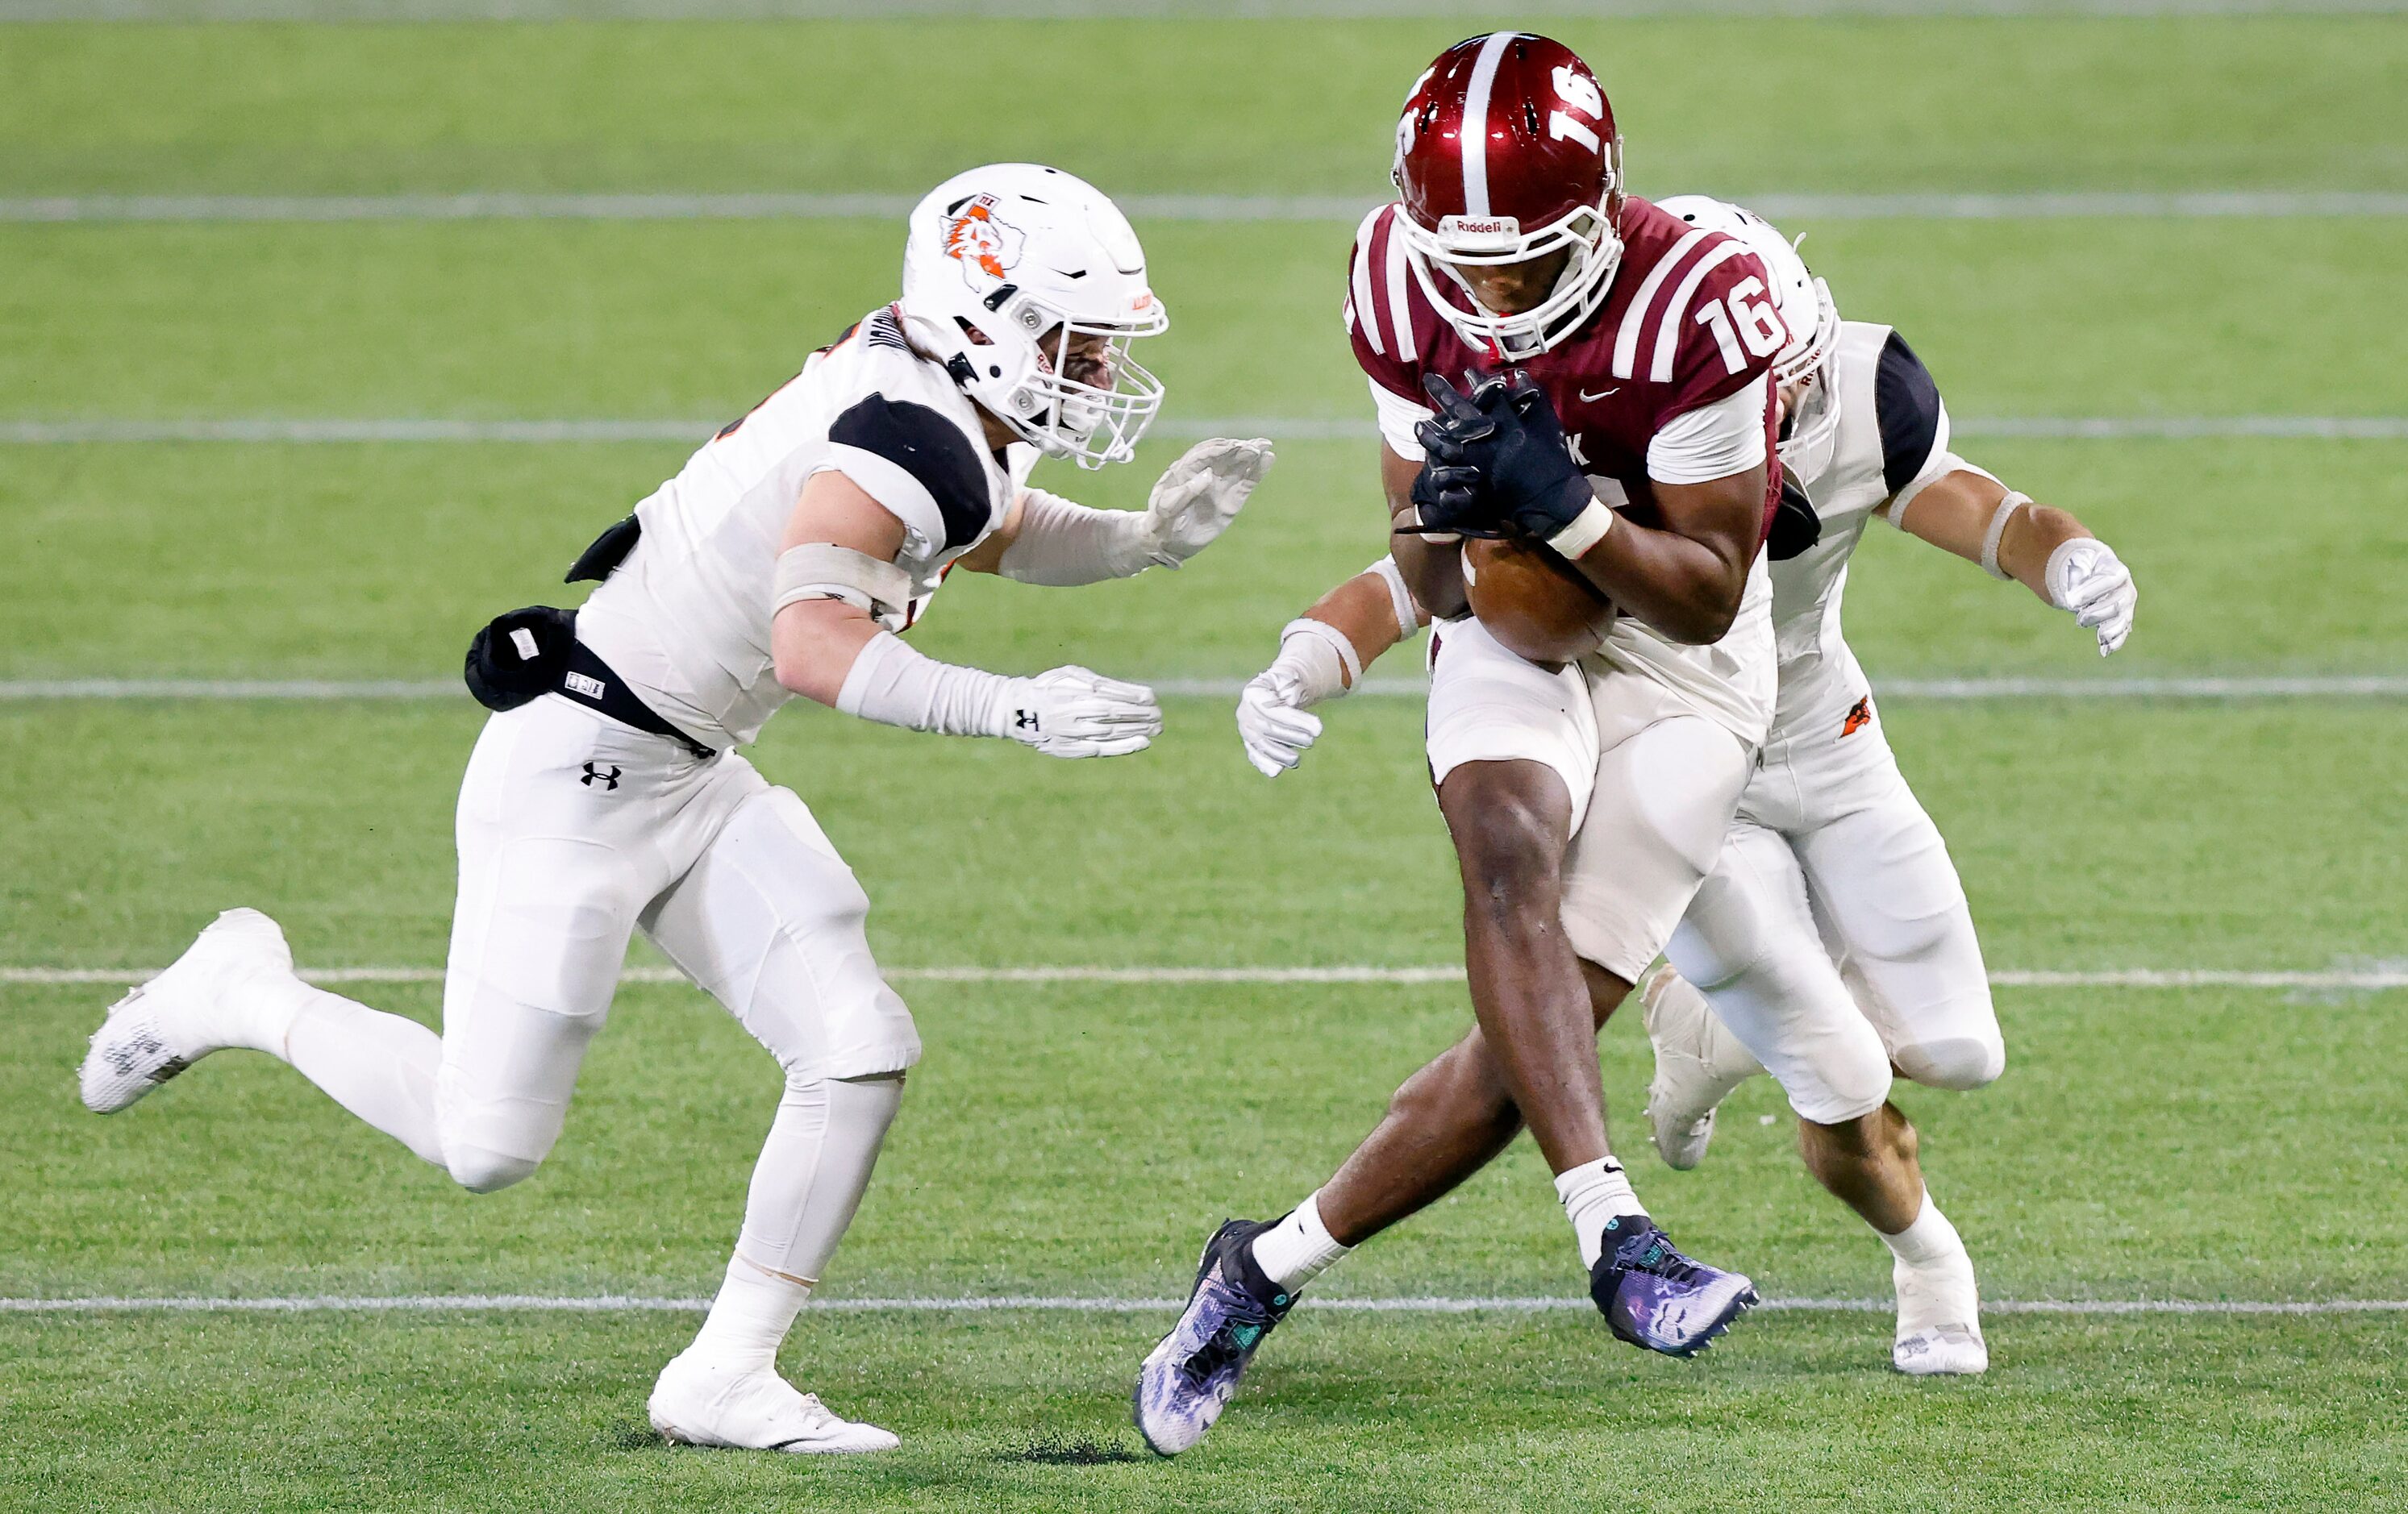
[[1891, 440], [684, 620]]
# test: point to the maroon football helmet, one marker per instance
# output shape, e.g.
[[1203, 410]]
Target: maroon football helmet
[[1507, 151]]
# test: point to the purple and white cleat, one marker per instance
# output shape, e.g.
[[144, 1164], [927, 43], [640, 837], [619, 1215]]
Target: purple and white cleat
[[1190, 1375], [1654, 1297]]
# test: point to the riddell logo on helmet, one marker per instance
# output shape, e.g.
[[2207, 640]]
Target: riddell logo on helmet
[[985, 245], [1480, 226]]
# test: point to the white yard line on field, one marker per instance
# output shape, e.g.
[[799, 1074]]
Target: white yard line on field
[[339, 431], [2300, 686], [2368, 980], [638, 1304], [685, 10], [2046, 205], [186, 12]]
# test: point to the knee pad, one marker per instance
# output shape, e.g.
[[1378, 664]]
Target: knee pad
[[1960, 1063], [480, 1171]]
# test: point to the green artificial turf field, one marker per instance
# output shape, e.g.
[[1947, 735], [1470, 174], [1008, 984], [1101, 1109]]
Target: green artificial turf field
[[2220, 1144]]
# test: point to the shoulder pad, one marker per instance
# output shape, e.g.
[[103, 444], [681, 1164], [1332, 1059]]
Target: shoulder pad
[[930, 448], [1907, 403]]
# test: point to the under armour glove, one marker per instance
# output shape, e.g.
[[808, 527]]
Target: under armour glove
[[1505, 432], [2085, 577], [1073, 712]]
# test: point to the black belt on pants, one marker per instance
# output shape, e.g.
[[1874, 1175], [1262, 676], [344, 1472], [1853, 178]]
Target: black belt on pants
[[590, 683]]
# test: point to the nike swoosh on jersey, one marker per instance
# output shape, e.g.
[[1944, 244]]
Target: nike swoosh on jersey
[[1587, 398]]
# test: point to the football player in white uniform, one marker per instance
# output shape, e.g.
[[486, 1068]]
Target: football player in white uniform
[[605, 796], [1832, 940]]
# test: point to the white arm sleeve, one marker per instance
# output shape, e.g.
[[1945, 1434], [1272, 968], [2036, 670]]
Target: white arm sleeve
[[1062, 545], [1397, 417], [894, 684], [1712, 441]]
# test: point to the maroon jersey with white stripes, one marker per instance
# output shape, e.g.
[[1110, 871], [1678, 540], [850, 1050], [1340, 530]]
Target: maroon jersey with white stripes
[[1683, 326]]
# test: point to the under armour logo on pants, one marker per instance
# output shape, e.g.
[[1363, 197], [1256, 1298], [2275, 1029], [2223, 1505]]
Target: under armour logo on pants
[[595, 774]]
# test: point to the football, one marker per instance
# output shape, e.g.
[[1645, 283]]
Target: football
[[1529, 598]]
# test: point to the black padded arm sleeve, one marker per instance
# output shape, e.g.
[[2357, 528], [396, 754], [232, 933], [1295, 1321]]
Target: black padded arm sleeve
[[1908, 404], [929, 448]]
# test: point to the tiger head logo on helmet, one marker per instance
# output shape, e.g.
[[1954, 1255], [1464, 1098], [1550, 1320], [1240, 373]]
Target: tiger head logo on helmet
[[984, 244]]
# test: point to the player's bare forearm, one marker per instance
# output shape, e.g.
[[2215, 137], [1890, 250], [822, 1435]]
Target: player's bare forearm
[[1686, 579], [1364, 613], [1953, 513], [813, 642]]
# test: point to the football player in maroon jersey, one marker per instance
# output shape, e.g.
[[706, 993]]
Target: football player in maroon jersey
[[1586, 802]]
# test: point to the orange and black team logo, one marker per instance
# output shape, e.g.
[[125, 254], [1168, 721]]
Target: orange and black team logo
[[1858, 717], [984, 244]]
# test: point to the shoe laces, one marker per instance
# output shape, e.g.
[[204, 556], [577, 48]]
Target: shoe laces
[[1661, 1259], [1240, 1327]]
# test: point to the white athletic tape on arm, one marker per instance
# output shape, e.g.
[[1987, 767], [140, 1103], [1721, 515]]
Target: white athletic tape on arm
[[1062, 545], [823, 570], [1401, 599], [1942, 465], [895, 684], [1325, 663], [1588, 529], [1990, 539]]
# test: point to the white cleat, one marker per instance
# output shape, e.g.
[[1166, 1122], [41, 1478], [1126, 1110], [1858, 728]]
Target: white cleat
[[699, 1404], [1697, 1062], [163, 1026], [1941, 1290], [1943, 1350]]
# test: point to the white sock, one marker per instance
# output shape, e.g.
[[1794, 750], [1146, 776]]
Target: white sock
[[380, 1067], [257, 1014], [1299, 1248], [748, 1320], [1933, 1273], [1594, 1193], [1931, 1238], [806, 1187]]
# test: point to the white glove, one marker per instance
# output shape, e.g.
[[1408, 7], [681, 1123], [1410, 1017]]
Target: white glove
[[2085, 577], [1272, 719], [1073, 712], [1197, 496]]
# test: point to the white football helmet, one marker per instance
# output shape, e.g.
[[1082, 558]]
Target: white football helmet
[[1005, 265], [1806, 308]]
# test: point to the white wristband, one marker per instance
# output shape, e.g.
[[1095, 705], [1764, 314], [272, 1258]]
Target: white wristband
[[895, 684], [1588, 529], [1990, 539], [1401, 599], [1325, 663]]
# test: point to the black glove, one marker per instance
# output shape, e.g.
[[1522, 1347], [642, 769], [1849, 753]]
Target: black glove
[[1506, 437], [500, 671], [1796, 527]]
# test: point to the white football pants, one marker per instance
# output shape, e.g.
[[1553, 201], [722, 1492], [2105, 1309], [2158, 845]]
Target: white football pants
[[574, 831], [1652, 781], [1833, 936]]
